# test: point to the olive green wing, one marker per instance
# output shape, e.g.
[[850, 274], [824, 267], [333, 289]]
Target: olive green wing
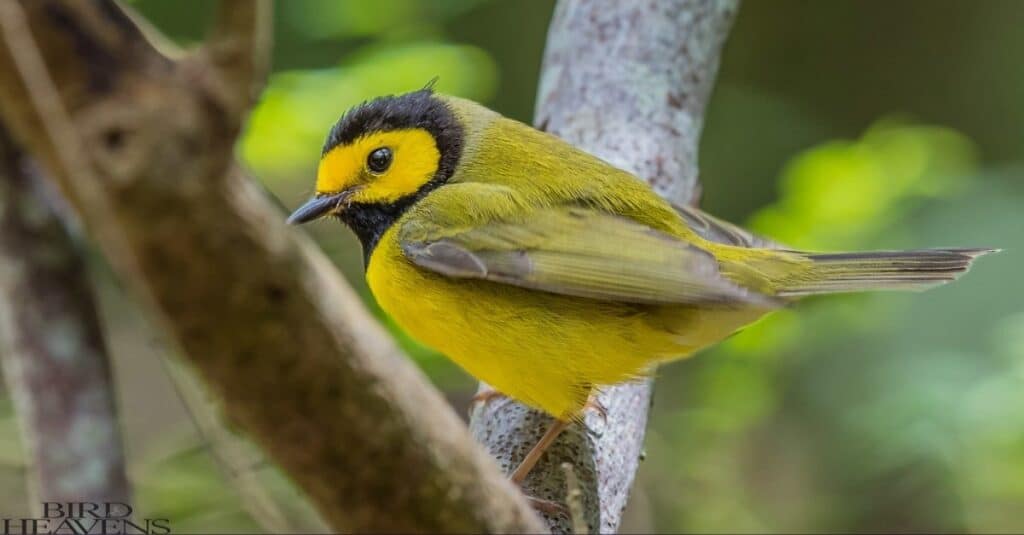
[[713, 229], [579, 252]]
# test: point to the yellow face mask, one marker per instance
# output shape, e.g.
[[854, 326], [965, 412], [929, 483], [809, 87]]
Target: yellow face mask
[[380, 167]]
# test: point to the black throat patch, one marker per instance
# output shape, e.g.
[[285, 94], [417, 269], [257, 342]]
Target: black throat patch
[[370, 221], [419, 109]]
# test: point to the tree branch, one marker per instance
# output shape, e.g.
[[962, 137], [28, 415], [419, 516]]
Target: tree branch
[[276, 508], [51, 346], [628, 82], [256, 307], [239, 48]]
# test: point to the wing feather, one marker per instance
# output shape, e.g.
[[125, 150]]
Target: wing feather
[[713, 229], [581, 252]]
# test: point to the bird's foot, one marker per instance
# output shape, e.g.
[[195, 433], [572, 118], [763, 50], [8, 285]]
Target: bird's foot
[[486, 396], [593, 404], [483, 397]]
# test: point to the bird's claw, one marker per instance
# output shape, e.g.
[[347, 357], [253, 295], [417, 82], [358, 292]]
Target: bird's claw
[[594, 405], [483, 397]]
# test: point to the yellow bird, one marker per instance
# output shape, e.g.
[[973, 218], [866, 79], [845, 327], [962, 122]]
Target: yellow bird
[[547, 272]]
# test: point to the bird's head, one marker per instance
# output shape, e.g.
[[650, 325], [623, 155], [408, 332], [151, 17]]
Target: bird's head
[[382, 155]]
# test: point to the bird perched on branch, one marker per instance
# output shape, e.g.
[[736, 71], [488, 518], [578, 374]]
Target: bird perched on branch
[[548, 273]]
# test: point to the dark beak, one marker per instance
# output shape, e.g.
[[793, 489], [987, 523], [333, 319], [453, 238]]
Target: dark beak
[[316, 208]]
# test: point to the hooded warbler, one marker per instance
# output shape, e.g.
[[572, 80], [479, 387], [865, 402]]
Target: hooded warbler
[[547, 272]]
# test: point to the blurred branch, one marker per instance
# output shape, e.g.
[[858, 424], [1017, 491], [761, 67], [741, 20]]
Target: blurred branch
[[239, 48], [243, 465], [628, 82], [145, 151], [54, 357]]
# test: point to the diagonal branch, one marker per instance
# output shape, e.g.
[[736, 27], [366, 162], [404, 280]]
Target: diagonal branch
[[256, 308], [626, 81]]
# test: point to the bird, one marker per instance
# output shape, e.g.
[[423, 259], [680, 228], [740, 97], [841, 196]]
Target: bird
[[547, 272]]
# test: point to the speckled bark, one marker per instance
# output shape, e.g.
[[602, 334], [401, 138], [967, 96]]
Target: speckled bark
[[142, 146], [626, 81], [54, 358]]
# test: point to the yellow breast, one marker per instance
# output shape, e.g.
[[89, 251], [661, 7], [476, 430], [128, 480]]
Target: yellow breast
[[545, 350]]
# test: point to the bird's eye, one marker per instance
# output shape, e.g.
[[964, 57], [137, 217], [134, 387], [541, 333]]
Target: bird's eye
[[379, 160]]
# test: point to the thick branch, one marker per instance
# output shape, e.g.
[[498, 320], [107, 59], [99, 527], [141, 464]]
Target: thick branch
[[626, 81], [54, 358], [256, 308]]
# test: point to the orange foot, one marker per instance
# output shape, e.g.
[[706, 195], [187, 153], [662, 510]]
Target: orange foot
[[483, 397], [486, 396], [596, 406]]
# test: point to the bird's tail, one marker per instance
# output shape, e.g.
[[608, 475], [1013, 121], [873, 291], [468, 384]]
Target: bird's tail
[[880, 270]]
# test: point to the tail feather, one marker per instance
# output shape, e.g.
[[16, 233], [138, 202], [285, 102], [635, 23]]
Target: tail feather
[[881, 270]]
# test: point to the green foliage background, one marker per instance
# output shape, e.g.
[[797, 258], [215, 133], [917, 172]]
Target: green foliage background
[[834, 125]]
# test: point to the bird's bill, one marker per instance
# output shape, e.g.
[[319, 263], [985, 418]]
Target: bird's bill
[[317, 207]]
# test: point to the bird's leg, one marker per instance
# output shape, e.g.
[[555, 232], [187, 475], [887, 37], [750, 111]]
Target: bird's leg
[[483, 397], [528, 462], [535, 453], [486, 396], [559, 425], [533, 456]]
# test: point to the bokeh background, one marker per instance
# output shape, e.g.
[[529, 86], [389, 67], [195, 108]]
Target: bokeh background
[[834, 125]]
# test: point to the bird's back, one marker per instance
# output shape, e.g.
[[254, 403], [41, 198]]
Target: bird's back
[[544, 170]]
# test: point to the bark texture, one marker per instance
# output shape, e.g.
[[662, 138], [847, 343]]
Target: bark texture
[[628, 82], [52, 349], [142, 146]]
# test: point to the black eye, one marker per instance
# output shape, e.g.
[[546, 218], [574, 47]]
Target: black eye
[[379, 160]]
